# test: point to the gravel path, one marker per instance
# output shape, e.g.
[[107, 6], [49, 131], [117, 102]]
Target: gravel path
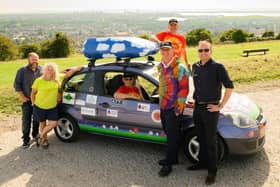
[[100, 161]]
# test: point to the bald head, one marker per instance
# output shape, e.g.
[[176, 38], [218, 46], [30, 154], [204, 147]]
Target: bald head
[[33, 60]]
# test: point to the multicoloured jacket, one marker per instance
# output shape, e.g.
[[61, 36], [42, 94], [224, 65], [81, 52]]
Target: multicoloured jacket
[[173, 86]]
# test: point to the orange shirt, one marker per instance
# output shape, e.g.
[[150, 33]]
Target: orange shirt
[[178, 41]]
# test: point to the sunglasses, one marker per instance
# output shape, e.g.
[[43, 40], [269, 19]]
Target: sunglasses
[[128, 79], [205, 50]]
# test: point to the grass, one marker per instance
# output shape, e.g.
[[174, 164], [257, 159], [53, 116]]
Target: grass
[[242, 70]]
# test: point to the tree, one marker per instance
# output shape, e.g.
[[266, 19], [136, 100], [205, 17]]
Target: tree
[[8, 50], [278, 37], [268, 34], [239, 36], [144, 36], [24, 49], [60, 46], [194, 36]]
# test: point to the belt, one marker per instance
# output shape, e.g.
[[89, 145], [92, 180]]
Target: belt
[[206, 102]]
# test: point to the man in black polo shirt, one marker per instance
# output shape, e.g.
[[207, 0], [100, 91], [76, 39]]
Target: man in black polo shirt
[[22, 84], [208, 77]]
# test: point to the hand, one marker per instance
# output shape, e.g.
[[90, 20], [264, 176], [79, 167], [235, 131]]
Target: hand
[[24, 99], [214, 108]]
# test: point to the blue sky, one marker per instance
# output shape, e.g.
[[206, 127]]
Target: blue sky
[[30, 6]]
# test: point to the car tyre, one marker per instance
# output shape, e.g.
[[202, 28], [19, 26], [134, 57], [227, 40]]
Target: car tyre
[[191, 146], [67, 129]]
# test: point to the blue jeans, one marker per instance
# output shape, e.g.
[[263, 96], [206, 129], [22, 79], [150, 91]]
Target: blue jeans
[[27, 118]]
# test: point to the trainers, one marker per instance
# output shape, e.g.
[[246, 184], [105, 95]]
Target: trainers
[[25, 145]]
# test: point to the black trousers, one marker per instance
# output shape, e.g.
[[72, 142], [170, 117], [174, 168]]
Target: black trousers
[[171, 127], [206, 124]]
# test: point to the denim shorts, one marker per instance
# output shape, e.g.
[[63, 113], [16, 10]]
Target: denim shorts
[[46, 114]]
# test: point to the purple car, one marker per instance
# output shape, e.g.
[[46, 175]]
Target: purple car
[[88, 105]]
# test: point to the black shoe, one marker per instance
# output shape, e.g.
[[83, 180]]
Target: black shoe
[[25, 145], [165, 171], [164, 162], [196, 167], [210, 179]]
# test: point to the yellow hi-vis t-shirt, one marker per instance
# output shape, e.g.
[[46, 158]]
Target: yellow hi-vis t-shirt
[[47, 91]]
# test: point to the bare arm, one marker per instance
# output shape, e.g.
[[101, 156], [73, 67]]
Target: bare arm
[[73, 71], [155, 39], [32, 96]]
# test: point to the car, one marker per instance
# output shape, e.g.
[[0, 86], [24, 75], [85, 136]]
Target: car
[[88, 105]]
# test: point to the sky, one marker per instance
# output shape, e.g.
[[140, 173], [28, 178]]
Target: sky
[[41, 6]]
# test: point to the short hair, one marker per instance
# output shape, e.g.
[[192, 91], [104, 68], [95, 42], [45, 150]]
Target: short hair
[[32, 54], [205, 41]]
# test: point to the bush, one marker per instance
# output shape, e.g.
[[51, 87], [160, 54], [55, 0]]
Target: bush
[[194, 36], [60, 46], [268, 34], [144, 36], [239, 36], [278, 37], [24, 49], [8, 50]]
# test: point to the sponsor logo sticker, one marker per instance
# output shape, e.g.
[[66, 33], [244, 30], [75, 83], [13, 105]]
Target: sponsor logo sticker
[[68, 98], [91, 99], [88, 111], [143, 107], [112, 113], [156, 116], [80, 102]]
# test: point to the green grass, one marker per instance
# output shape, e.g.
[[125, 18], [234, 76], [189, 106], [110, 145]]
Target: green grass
[[241, 69]]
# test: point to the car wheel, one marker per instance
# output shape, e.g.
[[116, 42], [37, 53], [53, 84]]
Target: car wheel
[[191, 146], [67, 129]]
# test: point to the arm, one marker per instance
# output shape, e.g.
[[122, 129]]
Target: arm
[[119, 95], [32, 96], [183, 91], [18, 86], [73, 71], [186, 59], [216, 108]]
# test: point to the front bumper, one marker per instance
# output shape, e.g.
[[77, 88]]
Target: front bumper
[[245, 146]]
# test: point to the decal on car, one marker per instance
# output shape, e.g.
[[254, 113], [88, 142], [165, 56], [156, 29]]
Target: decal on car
[[142, 107], [80, 102], [116, 101], [156, 116], [91, 99], [112, 113], [88, 111], [68, 98]]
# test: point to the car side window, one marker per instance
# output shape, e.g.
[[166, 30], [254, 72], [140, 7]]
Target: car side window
[[84, 83]]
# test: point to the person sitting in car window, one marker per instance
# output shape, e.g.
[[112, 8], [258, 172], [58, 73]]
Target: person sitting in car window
[[129, 90]]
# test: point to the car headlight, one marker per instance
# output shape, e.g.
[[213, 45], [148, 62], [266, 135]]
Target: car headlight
[[242, 121]]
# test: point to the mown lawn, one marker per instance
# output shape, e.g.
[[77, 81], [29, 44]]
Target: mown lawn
[[242, 70]]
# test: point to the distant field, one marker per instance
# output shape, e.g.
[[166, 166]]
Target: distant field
[[241, 69]]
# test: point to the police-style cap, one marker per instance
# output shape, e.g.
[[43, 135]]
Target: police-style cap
[[166, 44]]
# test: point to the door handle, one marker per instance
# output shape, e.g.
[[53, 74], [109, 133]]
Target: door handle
[[104, 105]]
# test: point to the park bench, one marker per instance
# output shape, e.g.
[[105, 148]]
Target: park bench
[[247, 52]]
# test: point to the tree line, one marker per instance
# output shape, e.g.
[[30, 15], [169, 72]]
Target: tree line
[[62, 45]]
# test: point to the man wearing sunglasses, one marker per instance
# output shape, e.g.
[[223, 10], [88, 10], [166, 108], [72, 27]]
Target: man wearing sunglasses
[[178, 40], [173, 91], [208, 78], [128, 90]]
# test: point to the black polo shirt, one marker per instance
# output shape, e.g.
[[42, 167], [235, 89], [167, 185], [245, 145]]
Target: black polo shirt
[[208, 80], [25, 78]]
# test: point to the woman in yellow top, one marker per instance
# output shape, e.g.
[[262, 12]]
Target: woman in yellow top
[[44, 98]]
